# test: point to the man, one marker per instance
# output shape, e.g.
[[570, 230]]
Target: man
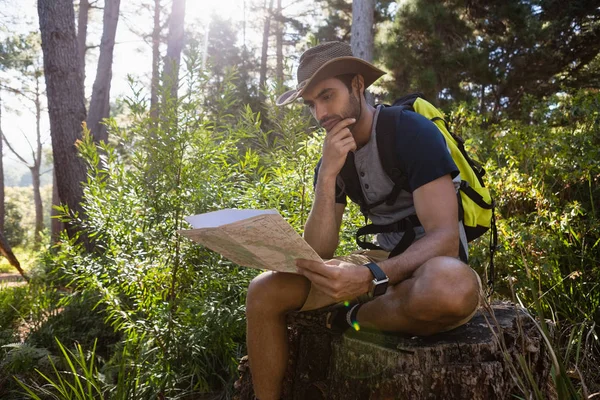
[[424, 290]]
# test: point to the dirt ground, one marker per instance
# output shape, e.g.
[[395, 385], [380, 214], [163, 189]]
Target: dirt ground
[[10, 279]]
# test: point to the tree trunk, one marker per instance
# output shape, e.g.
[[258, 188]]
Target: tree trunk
[[279, 45], [2, 205], [37, 201], [174, 46], [100, 104], [265, 47], [6, 251], [82, 22], [362, 42], [55, 224], [35, 169], [475, 361], [482, 101], [66, 105], [155, 80]]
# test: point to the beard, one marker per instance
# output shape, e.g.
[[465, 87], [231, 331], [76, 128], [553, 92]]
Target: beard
[[352, 110]]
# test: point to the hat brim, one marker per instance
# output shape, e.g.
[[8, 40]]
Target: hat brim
[[335, 67]]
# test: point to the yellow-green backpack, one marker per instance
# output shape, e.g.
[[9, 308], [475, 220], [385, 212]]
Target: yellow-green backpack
[[476, 201]]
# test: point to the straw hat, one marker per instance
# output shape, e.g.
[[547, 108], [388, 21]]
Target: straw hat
[[326, 61]]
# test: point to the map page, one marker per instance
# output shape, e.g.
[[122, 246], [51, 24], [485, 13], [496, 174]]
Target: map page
[[251, 238]]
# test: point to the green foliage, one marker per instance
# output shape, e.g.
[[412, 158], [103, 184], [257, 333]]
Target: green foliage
[[224, 59], [435, 39], [80, 381], [169, 314], [72, 318], [22, 309], [28, 258], [19, 51], [22, 357], [14, 232], [545, 179], [494, 52], [338, 21], [13, 305], [20, 213], [164, 317]]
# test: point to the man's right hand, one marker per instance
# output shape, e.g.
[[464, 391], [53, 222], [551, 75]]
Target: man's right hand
[[338, 142]]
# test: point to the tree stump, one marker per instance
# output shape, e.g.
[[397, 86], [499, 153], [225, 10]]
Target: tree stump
[[473, 361]]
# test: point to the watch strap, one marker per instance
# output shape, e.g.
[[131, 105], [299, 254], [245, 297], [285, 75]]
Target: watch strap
[[377, 272]]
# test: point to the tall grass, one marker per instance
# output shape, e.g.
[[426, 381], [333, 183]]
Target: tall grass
[[80, 380]]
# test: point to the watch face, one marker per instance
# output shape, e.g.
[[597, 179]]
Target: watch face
[[380, 288]]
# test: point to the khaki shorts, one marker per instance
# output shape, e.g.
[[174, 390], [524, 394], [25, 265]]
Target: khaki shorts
[[317, 299]]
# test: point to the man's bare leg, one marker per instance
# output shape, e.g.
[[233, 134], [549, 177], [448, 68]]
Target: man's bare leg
[[440, 293], [271, 296]]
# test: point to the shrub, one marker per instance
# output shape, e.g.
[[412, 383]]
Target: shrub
[[13, 231], [178, 306], [545, 178]]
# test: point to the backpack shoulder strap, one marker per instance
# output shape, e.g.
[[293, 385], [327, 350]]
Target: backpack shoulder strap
[[387, 133]]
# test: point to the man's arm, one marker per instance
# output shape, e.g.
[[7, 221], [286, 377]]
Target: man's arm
[[322, 227], [437, 209]]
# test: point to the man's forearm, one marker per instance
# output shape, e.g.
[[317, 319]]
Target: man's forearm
[[434, 244], [321, 231]]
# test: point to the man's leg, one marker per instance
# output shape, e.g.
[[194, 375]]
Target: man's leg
[[440, 294], [271, 295]]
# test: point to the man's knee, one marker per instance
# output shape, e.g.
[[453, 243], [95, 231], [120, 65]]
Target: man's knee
[[262, 292], [276, 292], [450, 286]]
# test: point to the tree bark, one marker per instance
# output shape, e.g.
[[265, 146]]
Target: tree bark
[[39, 210], [265, 49], [100, 104], [6, 251], [155, 80], [82, 22], [279, 44], [174, 47], [35, 168], [2, 199], [362, 42], [66, 105], [55, 224]]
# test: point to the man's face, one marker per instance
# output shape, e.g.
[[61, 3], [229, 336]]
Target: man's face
[[330, 102]]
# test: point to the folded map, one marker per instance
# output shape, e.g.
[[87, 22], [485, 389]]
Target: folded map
[[251, 238]]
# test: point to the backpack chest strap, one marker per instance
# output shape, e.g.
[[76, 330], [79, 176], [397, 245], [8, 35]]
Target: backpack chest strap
[[405, 225]]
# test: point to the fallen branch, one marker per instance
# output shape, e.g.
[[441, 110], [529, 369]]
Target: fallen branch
[[6, 251]]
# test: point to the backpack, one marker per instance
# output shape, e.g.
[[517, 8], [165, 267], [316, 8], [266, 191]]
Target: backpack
[[476, 207]]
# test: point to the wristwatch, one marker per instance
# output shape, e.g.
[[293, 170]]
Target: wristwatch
[[379, 284]]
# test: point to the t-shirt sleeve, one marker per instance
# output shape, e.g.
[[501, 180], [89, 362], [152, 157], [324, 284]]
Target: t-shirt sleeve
[[340, 195], [424, 155]]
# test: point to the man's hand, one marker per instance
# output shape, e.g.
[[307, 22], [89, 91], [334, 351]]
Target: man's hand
[[338, 142], [337, 279]]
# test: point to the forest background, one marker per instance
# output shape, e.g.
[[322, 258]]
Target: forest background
[[183, 122]]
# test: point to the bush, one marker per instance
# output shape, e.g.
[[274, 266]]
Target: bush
[[13, 231], [545, 178], [178, 307]]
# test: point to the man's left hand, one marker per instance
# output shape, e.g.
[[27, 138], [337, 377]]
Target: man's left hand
[[337, 279]]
